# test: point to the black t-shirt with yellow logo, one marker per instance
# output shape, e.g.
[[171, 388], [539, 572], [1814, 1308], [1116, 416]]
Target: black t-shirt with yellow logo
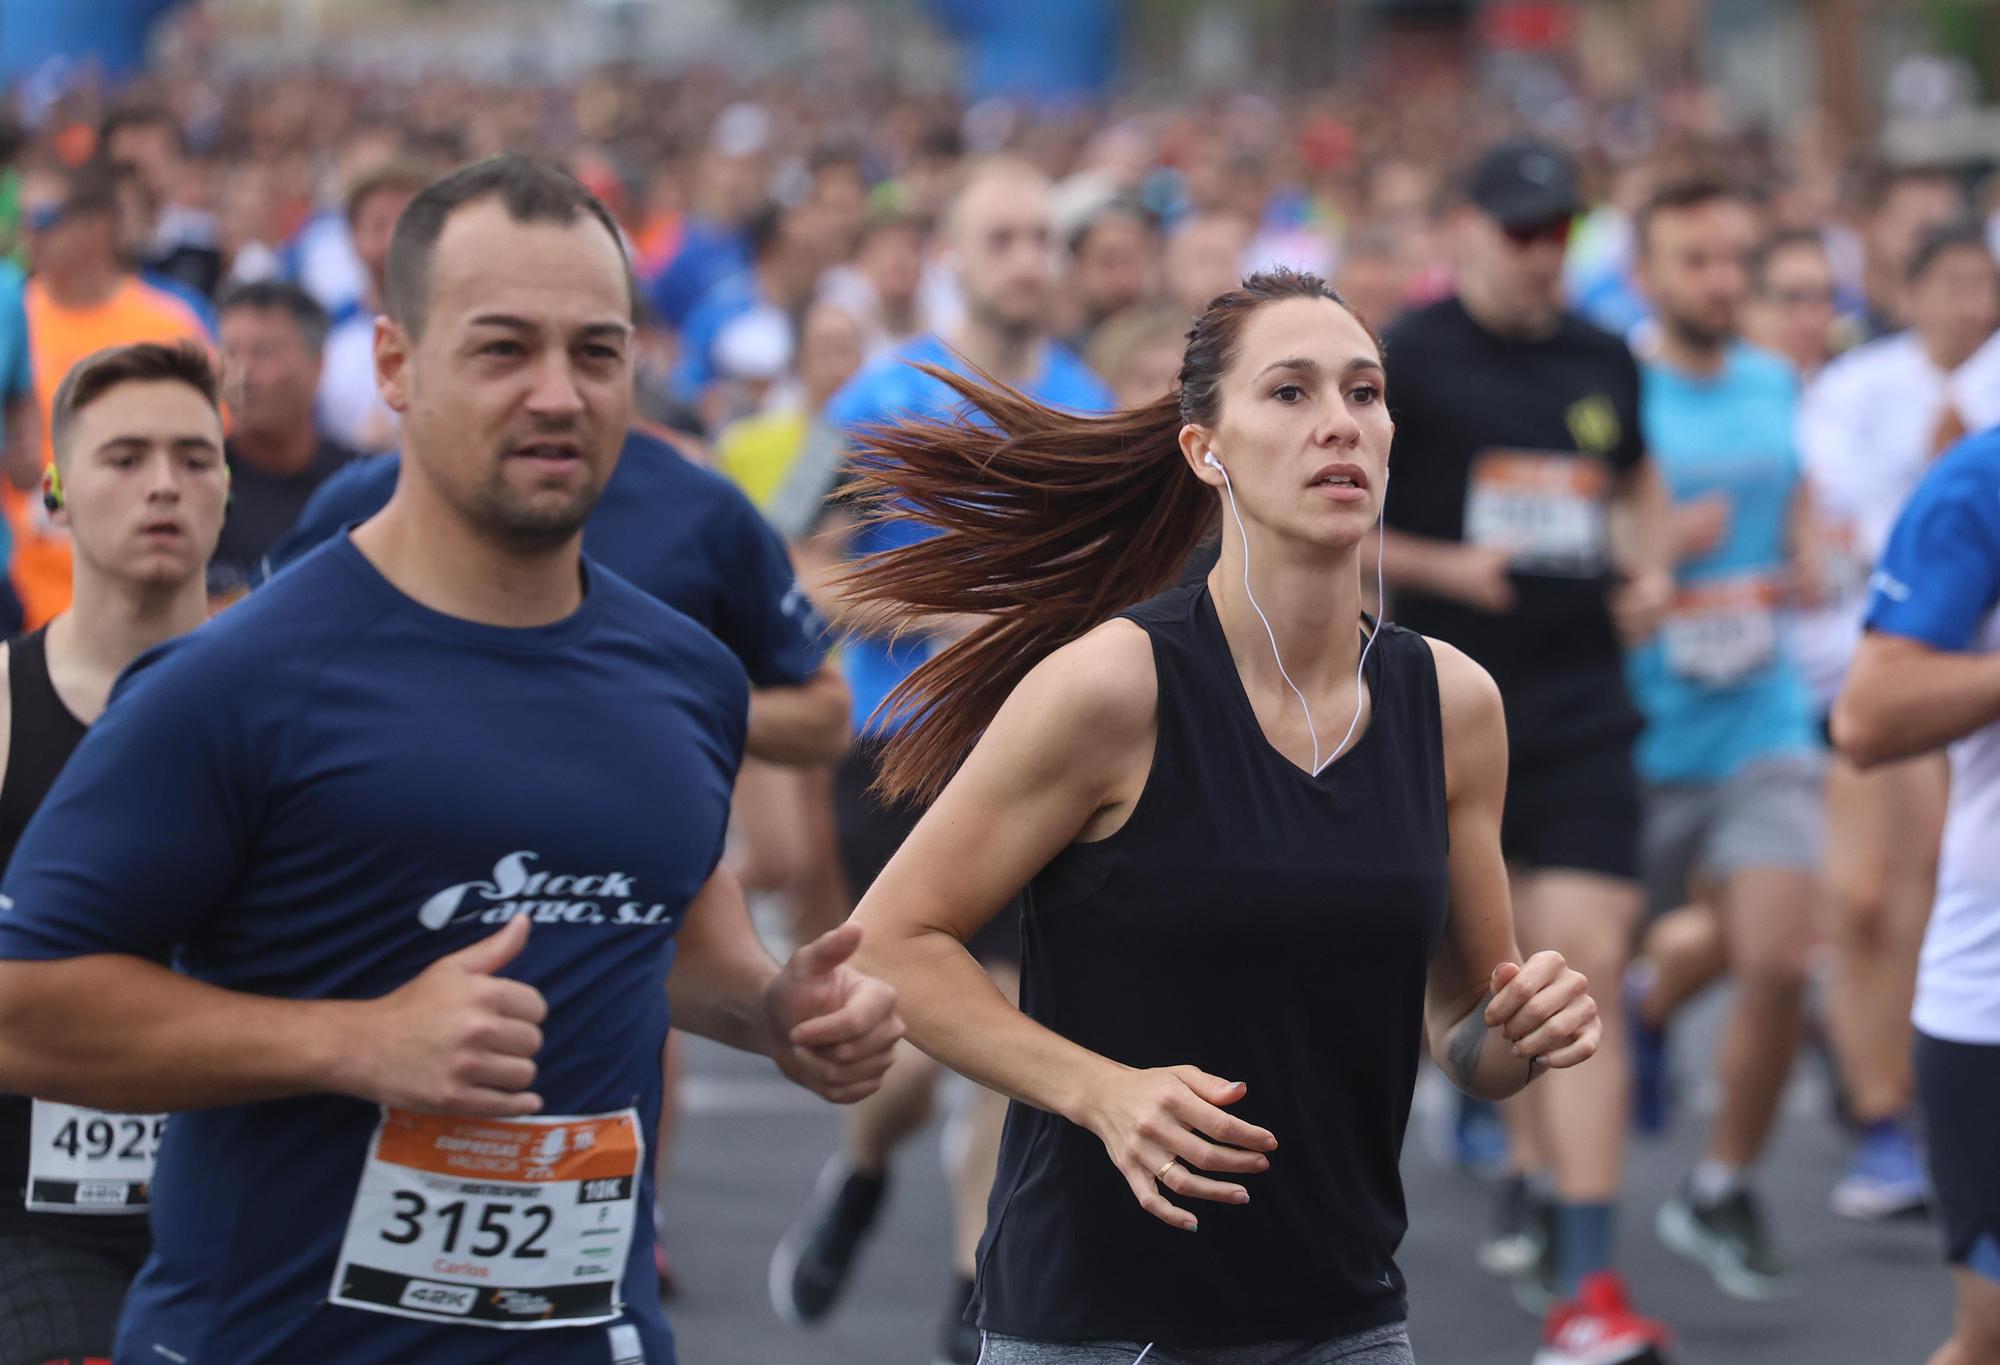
[[1501, 441]]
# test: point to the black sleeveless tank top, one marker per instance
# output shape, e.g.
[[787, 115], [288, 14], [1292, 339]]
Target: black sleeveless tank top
[[42, 734], [1269, 927]]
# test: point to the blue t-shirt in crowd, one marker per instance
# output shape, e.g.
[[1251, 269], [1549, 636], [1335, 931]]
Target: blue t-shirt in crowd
[[726, 301], [890, 387], [681, 533], [1717, 685], [315, 797], [710, 253]]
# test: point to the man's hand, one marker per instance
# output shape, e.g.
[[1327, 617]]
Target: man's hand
[[1640, 603], [1700, 525], [1477, 575], [834, 1030], [458, 1039]]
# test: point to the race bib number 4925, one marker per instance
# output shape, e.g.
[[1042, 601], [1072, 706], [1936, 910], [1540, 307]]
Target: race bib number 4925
[[90, 1160], [505, 1223]]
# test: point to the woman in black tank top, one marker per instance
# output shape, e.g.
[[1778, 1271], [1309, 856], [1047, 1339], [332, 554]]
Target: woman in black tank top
[[1256, 838]]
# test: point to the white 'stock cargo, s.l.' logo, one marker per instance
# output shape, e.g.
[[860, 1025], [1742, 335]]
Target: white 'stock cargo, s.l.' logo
[[547, 898]]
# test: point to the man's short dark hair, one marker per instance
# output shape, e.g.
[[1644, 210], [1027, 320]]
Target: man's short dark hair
[[1777, 244], [1131, 210], [272, 296], [149, 362], [1677, 196], [404, 175], [532, 191], [1880, 183], [1945, 238], [141, 116]]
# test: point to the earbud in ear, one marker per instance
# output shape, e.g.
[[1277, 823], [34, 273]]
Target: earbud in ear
[[1209, 459], [52, 494]]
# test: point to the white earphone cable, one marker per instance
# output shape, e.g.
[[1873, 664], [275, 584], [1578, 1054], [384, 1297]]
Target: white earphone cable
[[1360, 665], [1245, 536]]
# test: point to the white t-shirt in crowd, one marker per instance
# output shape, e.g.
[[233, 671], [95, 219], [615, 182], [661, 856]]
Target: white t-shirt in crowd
[[1867, 430]]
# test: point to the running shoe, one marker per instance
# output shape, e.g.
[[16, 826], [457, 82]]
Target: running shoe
[[1728, 1239], [816, 1255], [1884, 1180], [1652, 1082], [958, 1340], [1520, 1228], [1600, 1328]]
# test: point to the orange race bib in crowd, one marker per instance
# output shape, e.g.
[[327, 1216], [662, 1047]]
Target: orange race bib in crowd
[[1547, 507]]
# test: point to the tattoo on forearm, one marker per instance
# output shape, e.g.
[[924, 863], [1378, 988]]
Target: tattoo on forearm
[[1467, 1040]]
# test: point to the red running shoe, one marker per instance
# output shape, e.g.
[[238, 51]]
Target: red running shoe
[[1599, 1328]]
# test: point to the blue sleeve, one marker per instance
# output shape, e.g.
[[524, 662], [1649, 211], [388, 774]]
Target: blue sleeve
[[355, 492], [1939, 576], [693, 371], [767, 620], [148, 826], [18, 380]]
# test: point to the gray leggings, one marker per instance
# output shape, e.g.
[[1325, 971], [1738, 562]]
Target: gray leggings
[[1388, 1345]]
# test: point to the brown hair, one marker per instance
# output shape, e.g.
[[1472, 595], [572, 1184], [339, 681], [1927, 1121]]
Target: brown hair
[[149, 362], [404, 175], [1677, 196], [1049, 524]]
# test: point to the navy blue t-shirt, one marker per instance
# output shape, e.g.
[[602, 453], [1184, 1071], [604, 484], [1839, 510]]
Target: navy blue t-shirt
[[284, 801], [682, 533]]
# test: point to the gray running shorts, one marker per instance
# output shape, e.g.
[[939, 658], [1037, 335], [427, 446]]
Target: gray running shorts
[[1771, 813], [1389, 1345]]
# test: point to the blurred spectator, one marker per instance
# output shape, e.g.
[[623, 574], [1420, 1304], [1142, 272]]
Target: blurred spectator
[[731, 189], [1902, 205], [182, 240], [273, 336], [882, 287], [1374, 276], [1138, 353], [247, 220], [1791, 310], [80, 299], [787, 255], [350, 409], [138, 213], [757, 452], [1114, 264], [1206, 256], [321, 256]]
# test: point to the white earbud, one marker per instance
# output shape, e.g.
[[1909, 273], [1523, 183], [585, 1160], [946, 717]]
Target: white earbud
[[1209, 459]]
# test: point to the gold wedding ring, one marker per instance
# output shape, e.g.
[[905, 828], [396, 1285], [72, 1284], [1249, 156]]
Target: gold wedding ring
[[1160, 1176]]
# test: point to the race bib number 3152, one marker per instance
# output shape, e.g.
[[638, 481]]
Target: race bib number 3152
[[90, 1160], [507, 1223]]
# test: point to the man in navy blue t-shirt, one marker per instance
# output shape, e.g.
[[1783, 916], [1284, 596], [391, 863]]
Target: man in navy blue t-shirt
[[690, 538], [409, 1125]]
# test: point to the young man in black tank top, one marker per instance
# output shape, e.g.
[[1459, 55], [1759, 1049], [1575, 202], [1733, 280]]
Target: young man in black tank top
[[1236, 923], [139, 481]]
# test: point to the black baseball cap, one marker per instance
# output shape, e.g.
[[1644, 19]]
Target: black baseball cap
[[1524, 182]]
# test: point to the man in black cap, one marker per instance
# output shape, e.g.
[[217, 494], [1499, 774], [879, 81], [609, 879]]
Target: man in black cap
[[1521, 421]]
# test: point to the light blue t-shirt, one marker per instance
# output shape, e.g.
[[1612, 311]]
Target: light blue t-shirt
[[891, 387], [1717, 684]]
